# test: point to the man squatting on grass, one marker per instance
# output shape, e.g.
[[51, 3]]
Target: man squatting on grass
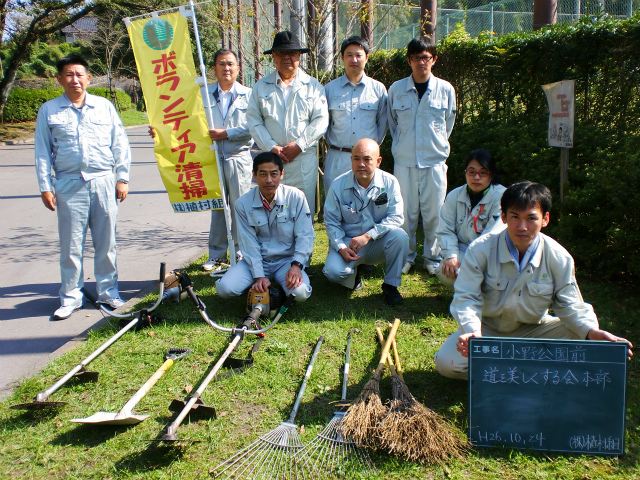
[[276, 235], [509, 280], [363, 217]]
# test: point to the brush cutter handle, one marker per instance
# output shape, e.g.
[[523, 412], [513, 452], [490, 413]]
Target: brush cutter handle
[[234, 331], [111, 313], [294, 412], [347, 357], [387, 346]]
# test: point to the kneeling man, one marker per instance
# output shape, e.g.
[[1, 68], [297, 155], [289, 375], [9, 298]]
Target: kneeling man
[[508, 282], [276, 235], [363, 217]]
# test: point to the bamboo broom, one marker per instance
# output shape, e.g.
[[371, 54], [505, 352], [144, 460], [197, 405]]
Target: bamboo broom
[[413, 431], [366, 412]]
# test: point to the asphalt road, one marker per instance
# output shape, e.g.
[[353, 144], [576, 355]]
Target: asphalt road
[[149, 232]]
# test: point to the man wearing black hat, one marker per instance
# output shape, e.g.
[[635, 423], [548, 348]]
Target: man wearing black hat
[[288, 114]]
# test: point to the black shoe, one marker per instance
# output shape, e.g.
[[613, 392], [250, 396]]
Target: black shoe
[[309, 273], [391, 295], [358, 285], [367, 269]]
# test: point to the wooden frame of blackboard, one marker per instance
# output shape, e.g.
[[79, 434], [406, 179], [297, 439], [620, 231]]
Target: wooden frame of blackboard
[[550, 395]]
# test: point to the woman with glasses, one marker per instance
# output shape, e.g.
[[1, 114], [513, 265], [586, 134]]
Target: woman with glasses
[[468, 212]]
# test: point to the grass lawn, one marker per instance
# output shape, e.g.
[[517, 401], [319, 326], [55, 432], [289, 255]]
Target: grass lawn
[[46, 445], [20, 131]]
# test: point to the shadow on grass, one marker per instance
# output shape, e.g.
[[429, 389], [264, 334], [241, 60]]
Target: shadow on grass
[[154, 456]]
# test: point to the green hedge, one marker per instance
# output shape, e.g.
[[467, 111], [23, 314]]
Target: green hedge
[[502, 107], [23, 105]]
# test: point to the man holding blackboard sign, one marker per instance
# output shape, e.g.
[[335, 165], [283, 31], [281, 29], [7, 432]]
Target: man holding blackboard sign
[[509, 281]]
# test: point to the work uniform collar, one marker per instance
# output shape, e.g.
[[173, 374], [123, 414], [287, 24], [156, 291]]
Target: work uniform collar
[[218, 90], [534, 251], [411, 85], [371, 191], [279, 197], [346, 82], [89, 100]]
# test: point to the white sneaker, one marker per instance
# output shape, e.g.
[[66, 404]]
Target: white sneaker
[[65, 312], [112, 303], [407, 267], [213, 264], [431, 268]]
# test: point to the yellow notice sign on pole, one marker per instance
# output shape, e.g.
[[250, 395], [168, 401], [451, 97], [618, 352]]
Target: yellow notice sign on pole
[[187, 165]]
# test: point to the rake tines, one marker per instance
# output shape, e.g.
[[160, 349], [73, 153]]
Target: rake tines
[[332, 451], [270, 457]]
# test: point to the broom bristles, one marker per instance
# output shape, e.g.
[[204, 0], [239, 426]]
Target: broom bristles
[[416, 432], [365, 414]]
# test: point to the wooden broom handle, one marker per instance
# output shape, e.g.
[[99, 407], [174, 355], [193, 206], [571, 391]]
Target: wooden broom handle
[[394, 370], [396, 357], [387, 346]]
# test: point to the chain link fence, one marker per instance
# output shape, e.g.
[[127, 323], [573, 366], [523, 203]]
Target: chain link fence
[[396, 25]]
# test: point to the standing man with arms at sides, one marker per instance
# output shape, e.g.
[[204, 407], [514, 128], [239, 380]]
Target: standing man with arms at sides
[[276, 235], [80, 136], [357, 109], [510, 280], [229, 102], [363, 217], [288, 115], [422, 110]]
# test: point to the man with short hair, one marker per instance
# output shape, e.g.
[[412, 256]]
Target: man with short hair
[[422, 111], [276, 235], [229, 100], [510, 280], [288, 115], [363, 217], [81, 138], [357, 109]]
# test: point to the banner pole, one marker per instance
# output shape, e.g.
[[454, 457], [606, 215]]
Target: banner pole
[[214, 145]]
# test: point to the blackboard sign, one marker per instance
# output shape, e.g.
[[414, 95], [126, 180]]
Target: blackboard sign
[[552, 395]]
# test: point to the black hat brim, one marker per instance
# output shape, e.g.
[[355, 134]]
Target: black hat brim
[[287, 49]]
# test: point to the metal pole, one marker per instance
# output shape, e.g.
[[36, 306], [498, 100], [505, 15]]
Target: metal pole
[[214, 146], [491, 18], [240, 42], [256, 40], [564, 172]]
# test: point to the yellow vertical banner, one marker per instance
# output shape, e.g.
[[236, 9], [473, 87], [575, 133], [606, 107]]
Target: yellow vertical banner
[[162, 49]]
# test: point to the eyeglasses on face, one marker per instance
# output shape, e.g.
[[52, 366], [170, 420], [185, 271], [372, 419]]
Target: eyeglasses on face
[[472, 172], [421, 58]]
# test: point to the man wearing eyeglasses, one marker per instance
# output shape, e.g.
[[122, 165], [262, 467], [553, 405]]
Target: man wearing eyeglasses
[[421, 113], [229, 100], [288, 114], [363, 216]]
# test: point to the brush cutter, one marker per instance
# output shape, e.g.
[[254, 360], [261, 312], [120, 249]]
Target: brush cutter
[[194, 401], [125, 415], [80, 370], [271, 456], [331, 450]]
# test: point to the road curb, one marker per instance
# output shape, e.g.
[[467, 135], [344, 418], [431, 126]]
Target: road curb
[[23, 141]]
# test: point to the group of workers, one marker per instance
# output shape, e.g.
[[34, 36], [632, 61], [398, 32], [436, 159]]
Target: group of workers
[[506, 279]]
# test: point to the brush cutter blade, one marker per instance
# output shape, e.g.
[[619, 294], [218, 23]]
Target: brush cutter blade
[[38, 405], [199, 409], [111, 418]]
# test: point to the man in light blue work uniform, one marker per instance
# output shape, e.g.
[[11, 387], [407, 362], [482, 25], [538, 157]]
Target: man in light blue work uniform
[[81, 138], [422, 111], [288, 115], [276, 235], [510, 280], [229, 102], [357, 109], [363, 217]]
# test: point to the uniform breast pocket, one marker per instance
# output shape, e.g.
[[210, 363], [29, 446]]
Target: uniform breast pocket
[[268, 102], [62, 130], [493, 288], [285, 230], [349, 215], [541, 295], [438, 112], [100, 129], [379, 212], [259, 223], [367, 112], [403, 113], [339, 113]]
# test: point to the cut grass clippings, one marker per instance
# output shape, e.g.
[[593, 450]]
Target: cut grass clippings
[[45, 445]]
